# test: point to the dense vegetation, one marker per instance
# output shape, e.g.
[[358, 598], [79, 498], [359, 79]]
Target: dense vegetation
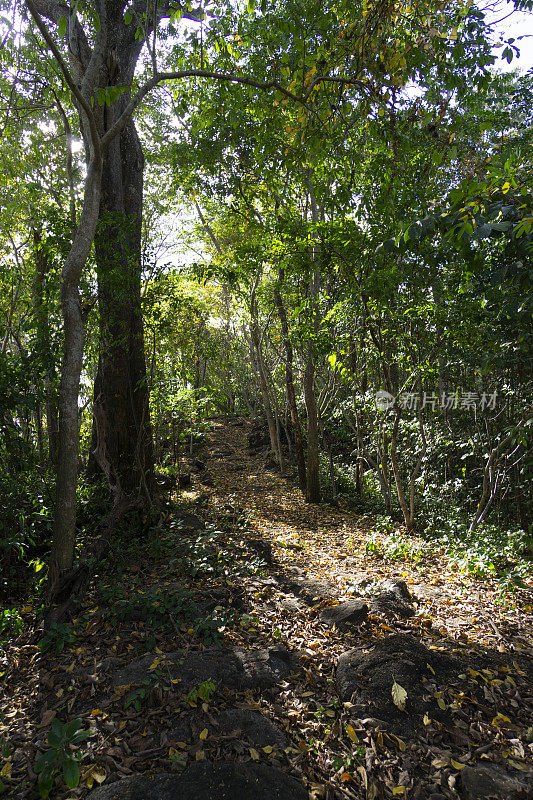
[[315, 216], [358, 186]]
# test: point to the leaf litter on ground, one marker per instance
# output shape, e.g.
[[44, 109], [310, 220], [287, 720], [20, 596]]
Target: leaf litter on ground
[[334, 747]]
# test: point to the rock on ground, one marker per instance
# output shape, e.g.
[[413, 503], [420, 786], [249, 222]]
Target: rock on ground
[[234, 669], [352, 611], [190, 522], [204, 780], [365, 677], [309, 589], [260, 731], [395, 599], [492, 781]]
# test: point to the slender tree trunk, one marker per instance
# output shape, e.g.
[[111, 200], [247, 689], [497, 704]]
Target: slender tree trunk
[[38, 416], [291, 394], [489, 483], [313, 434], [313, 463], [44, 344], [64, 538], [263, 385], [407, 510]]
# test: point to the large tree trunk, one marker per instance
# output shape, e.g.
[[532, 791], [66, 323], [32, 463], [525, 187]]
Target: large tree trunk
[[121, 389]]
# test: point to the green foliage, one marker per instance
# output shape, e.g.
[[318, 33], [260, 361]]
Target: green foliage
[[11, 624], [57, 637], [61, 757], [203, 692], [10, 620], [154, 606], [203, 554], [210, 628], [490, 552], [137, 696]]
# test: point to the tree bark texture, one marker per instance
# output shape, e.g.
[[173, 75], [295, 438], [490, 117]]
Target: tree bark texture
[[44, 345], [64, 537], [121, 388]]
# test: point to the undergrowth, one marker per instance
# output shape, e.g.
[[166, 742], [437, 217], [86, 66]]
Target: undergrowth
[[488, 552]]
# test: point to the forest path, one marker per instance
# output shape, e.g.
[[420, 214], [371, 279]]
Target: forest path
[[265, 652], [347, 549]]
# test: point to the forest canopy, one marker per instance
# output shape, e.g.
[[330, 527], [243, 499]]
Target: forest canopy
[[262, 264]]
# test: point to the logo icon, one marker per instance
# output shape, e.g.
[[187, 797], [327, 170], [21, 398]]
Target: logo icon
[[384, 400]]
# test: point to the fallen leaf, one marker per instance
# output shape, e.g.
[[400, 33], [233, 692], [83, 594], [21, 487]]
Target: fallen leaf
[[352, 734], [399, 696], [94, 774], [46, 718], [364, 776], [499, 718], [5, 772], [518, 765]]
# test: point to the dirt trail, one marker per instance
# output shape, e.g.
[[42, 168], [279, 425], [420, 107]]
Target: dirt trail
[[423, 687], [334, 542]]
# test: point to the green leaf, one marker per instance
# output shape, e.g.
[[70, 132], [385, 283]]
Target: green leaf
[[45, 760], [501, 226], [55, 734], [71, 771], [62, 26], [45, 782], [128, 18], [70, 729], [80, 736]]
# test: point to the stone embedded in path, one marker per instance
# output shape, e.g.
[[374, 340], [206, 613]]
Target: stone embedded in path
[[234, 669], [494, 781], [365, 677], [394, 599], [252, 725], [189, 522], [262, 548], [309, 589], [351, 612], [224, 780]]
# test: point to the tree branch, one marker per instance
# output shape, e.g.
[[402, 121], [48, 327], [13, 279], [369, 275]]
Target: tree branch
[[45, 33]]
